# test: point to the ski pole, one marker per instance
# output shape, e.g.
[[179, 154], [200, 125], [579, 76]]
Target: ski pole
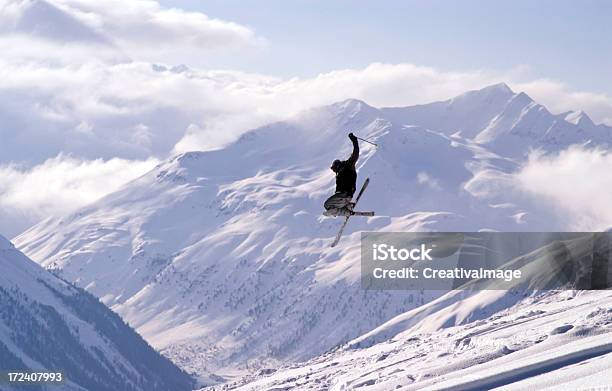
[[362, 139]]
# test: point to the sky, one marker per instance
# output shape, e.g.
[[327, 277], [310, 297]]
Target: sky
[[559, 39], [95, 93]]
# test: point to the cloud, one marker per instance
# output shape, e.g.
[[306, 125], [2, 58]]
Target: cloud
[[143, 28], [138, 29], [576, 181], [251, 100], [59, 185], [135, 110]]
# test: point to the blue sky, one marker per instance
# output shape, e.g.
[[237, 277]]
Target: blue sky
[[563, 40]]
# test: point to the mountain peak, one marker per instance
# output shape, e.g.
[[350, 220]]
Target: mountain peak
[[499, 87], [352, 105], [497, 92], [348, 112], [524, 98], [348, 108], [579, 118]]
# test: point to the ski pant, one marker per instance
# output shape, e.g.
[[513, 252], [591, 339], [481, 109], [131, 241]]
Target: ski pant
[[337, 201]]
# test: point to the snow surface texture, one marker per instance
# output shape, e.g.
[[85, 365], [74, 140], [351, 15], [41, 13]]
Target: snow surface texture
[[221, 259], [554, 340], [48, 324]]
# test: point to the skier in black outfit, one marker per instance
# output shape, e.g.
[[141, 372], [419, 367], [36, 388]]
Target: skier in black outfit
[[340, 203]]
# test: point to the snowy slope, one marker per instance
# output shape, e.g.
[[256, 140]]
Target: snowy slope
[[221, 259], [47, 324], [514, 339], [553, 340]]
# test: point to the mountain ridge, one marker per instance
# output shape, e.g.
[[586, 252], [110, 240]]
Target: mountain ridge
[[49, 325]]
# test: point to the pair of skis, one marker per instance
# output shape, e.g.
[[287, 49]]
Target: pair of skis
[[355, 213]]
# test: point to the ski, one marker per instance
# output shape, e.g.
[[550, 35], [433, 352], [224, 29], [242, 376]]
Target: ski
[[346, 219], [356, 213]]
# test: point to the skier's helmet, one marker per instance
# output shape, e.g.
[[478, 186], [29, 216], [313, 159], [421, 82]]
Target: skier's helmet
[[336, 165]]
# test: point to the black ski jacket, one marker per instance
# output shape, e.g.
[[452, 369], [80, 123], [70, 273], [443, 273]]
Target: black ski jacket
[[346, 178]]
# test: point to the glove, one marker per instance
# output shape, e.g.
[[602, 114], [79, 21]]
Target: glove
[[352, 136]]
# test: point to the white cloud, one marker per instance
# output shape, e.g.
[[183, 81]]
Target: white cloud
[[577, 182], [116, 29], [206, 109], [135, 111], [60, 185], [144, 29], [252, 100]]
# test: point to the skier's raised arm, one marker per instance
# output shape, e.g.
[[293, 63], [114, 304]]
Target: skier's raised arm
[[355, 155]]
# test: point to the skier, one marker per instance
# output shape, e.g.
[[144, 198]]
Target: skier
[[339, 204]]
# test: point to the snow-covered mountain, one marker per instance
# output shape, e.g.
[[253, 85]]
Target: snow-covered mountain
[[507, 123], [48, 324], [221, 259]]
